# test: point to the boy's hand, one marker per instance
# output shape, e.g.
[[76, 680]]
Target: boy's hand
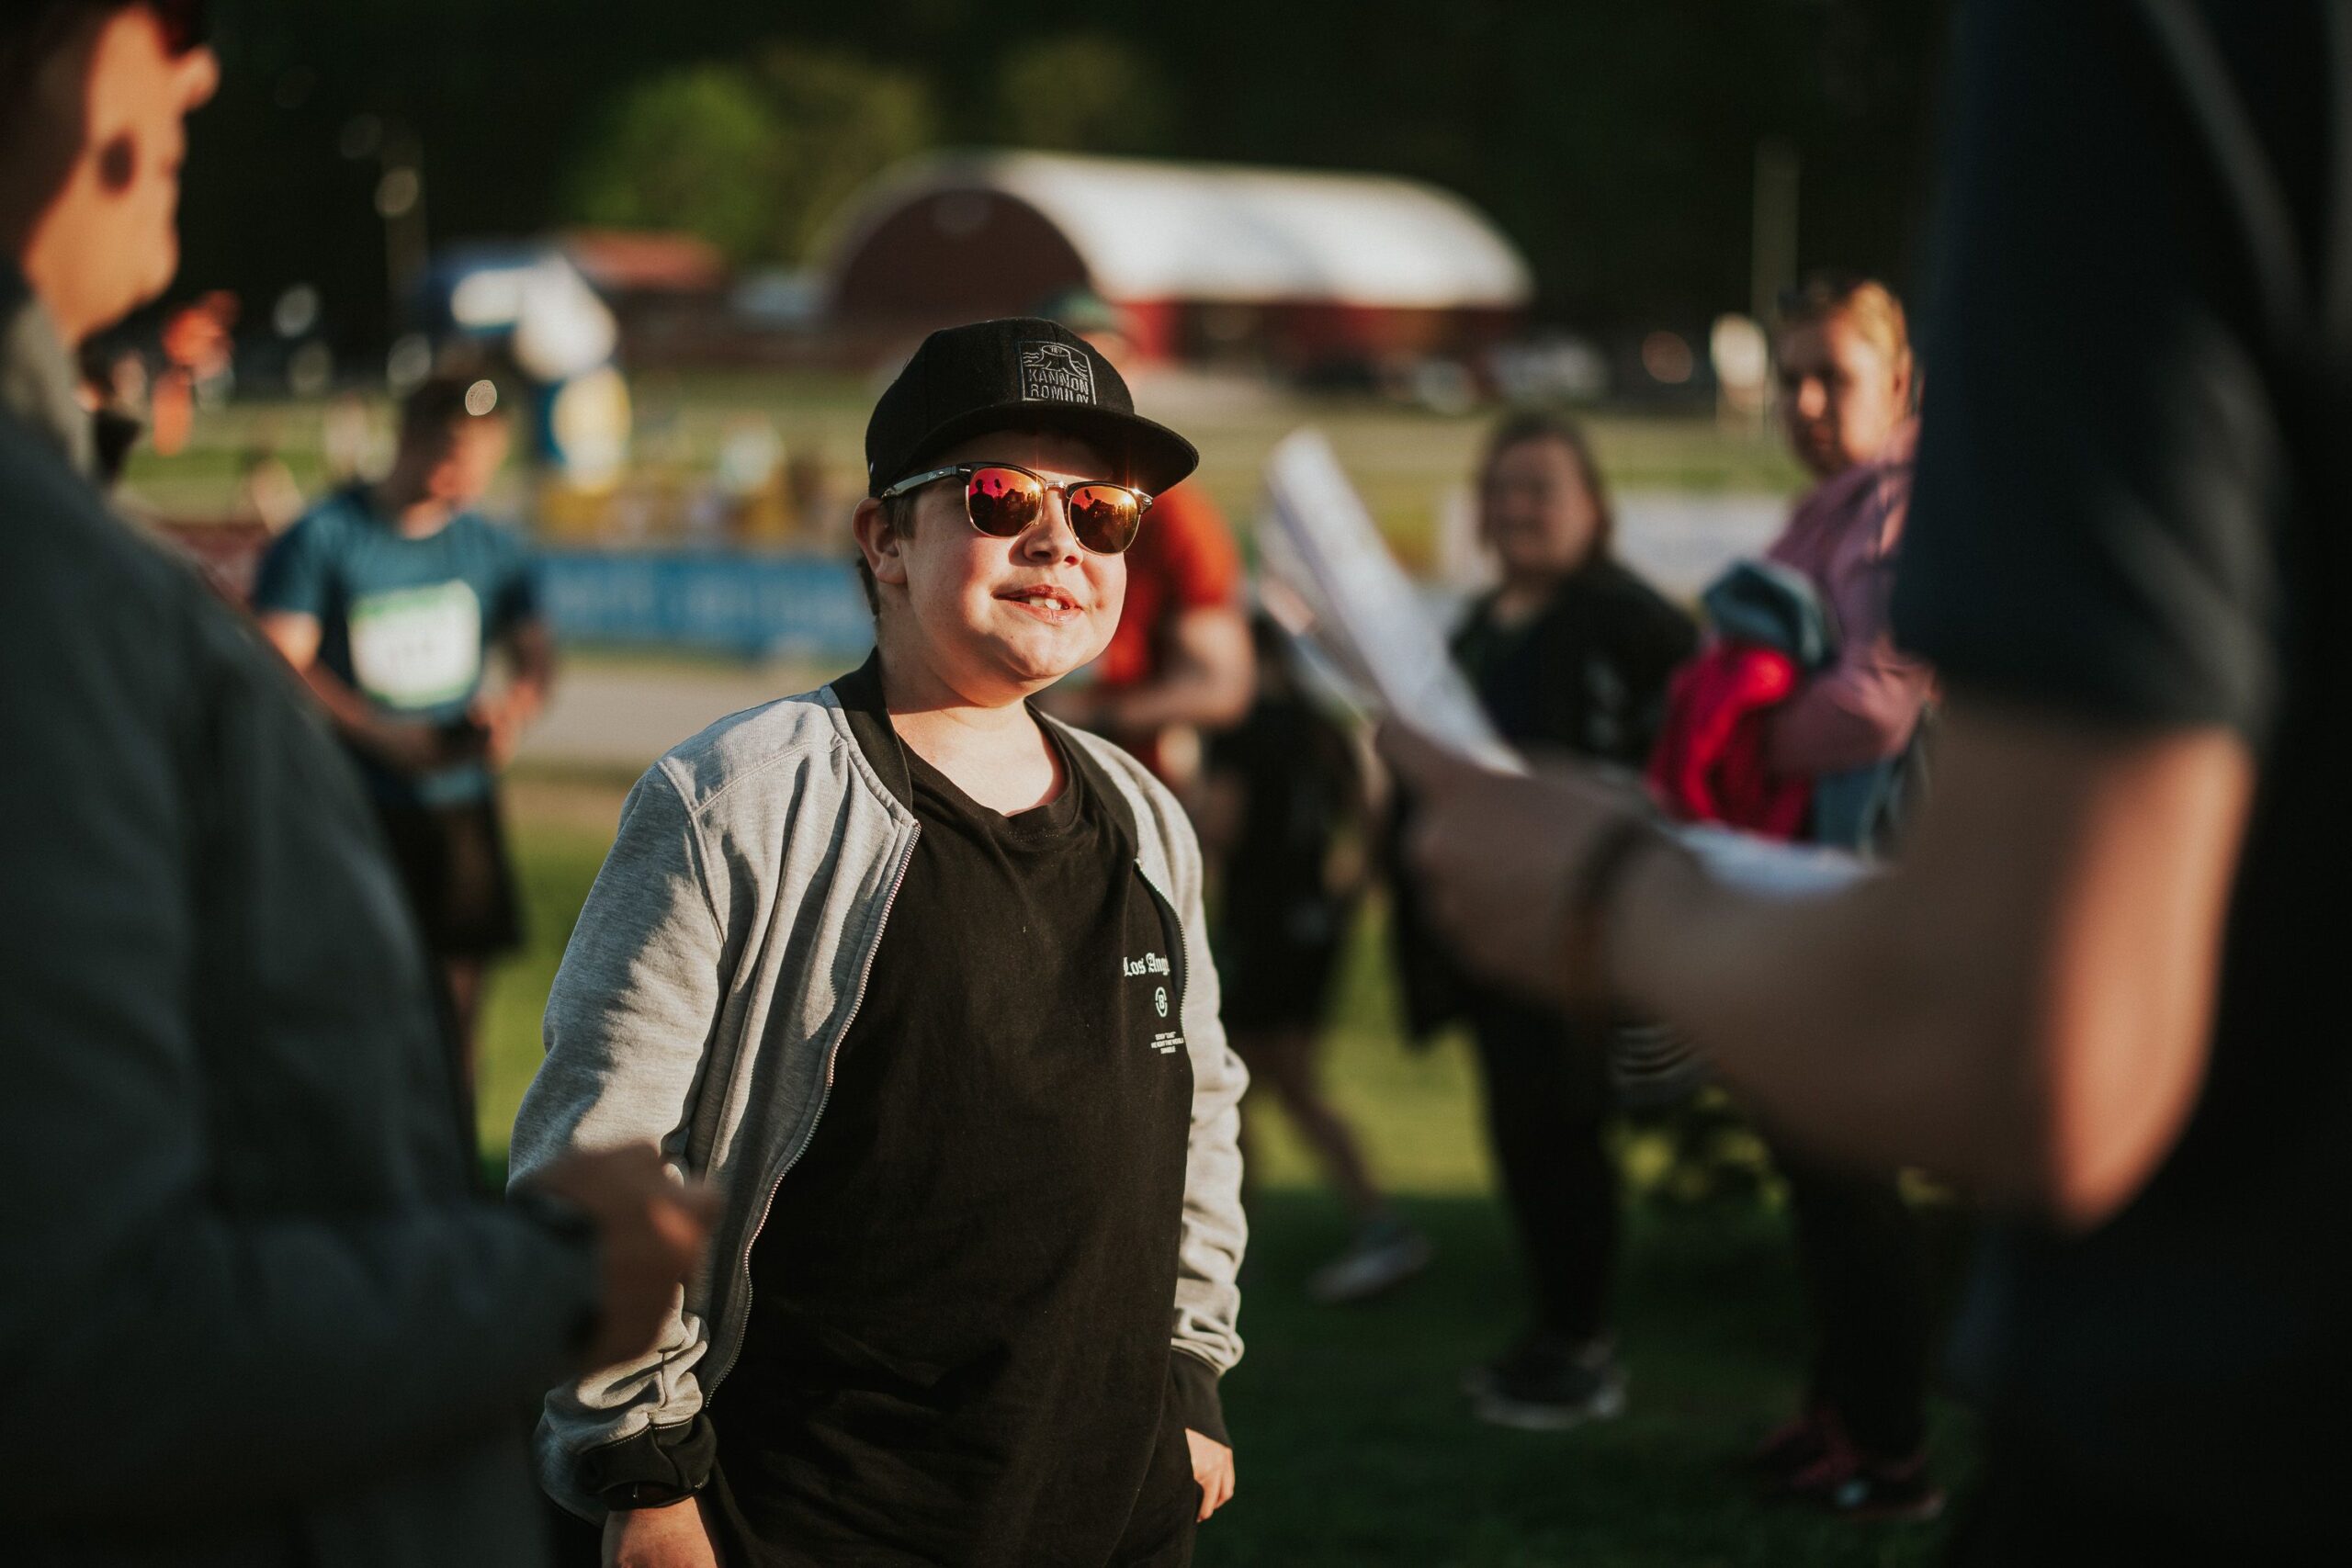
[[1213, 1468], [659, 1538]]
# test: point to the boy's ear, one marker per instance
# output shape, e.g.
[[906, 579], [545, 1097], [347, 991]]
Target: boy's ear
[[878, 542]]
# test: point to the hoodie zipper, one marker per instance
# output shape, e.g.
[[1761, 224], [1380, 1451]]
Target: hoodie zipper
[[824, 1097]]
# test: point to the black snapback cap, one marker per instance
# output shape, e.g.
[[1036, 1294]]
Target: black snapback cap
[[1022, 372]]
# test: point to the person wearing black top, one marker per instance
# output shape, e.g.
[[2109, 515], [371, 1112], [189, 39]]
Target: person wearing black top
[[1571, 653], [2100, 990], [864, 1419], [920, 979]]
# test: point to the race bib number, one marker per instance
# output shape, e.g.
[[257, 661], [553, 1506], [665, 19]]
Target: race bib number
[[417, 647]]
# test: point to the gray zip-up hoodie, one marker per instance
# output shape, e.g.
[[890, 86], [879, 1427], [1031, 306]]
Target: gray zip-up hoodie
[[717, 966]]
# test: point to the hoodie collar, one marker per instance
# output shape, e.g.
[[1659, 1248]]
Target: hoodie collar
[[860, 695], [862, 703], [37, 380]]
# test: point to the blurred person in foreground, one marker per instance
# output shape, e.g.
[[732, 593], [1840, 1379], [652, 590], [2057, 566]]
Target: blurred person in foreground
[[258, 1317], [2098, 989], [1286, 807], [1571, 653], [390, 599], [1844, 735], [922, 978]]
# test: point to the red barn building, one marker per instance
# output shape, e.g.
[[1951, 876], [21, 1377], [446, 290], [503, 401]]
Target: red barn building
[[1300, 270]]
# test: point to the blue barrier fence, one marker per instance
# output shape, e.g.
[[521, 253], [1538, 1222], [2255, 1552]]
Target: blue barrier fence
[[712, 601]]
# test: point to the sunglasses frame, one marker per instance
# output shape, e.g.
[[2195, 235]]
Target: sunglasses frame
[[965, 470]]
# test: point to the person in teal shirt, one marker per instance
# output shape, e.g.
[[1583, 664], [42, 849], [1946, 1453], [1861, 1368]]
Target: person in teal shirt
[[389, 599]]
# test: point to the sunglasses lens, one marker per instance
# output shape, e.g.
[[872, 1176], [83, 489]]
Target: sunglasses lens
[[1003, 501], [1105, 518]]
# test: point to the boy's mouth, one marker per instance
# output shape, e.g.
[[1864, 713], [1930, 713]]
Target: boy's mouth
[[1043, 599]]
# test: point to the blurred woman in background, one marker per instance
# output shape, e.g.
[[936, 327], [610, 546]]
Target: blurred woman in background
[[1843, 350], [1570, 652]]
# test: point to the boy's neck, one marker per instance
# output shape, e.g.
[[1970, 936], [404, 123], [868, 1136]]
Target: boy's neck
[[995, 752]]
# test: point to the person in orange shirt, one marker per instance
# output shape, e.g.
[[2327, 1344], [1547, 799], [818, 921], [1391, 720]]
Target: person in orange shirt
[[1181, 661]]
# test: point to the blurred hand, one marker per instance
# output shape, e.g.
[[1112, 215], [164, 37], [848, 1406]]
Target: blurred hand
[[1213, 1468], [409, 747], [1496, 856], [652, 1231], [502, 721], [674, 1537]]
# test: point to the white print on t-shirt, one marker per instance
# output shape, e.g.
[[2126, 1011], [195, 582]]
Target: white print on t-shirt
[[415, 647], [1168, 1041]]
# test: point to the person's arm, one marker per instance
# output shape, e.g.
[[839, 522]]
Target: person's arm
[[530, 645], [2023, 1005], [2020, 1007], [520, 627], [628, 1026], [1863, 709], [405, 745], [1206, 679], [1860, 711]]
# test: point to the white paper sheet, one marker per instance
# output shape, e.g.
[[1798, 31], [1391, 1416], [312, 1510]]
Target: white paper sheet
[[1366, 618]]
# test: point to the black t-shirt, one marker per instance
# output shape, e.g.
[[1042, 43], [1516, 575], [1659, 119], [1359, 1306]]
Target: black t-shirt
[[1586, 674], [958, 1343], [2129, 508]]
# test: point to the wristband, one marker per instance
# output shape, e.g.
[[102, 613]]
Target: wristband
[[629, 1496], [1584, 922]]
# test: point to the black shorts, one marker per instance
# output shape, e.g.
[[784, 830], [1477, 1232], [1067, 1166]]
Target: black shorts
[[1276, 959], [452, 861]]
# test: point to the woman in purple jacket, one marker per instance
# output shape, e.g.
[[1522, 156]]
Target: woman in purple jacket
[[1847, 383]]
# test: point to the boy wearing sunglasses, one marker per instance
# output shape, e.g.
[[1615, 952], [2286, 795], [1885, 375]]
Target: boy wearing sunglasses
[[920, 980]]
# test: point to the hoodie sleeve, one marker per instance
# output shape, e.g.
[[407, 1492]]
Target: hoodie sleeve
[[629, 1021]]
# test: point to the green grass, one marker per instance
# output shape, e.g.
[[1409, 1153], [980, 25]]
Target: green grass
[[1353, 1444]]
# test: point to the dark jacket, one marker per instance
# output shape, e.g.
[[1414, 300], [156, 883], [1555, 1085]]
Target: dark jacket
[[254, 1314]]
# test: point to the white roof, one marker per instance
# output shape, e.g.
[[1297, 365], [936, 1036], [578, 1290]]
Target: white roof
[[1155, 231]]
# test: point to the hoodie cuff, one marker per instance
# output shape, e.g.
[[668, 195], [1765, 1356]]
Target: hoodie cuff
[[1192, 1386], [659, 1466]]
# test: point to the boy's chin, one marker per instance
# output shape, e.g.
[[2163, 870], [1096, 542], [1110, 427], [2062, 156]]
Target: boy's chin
[[1042, 663]]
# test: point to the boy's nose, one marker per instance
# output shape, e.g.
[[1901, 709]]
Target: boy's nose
[[1051, 535]]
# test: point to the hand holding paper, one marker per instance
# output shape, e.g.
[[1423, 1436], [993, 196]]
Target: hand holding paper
[[1498, 848]]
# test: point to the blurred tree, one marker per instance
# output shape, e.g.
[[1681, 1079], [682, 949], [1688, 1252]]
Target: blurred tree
[[1615, 142], [1080, 93], [751, 158], [842, 121], [697, 150]]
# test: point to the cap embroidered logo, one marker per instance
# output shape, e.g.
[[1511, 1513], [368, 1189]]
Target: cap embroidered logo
[[1056, 373]]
